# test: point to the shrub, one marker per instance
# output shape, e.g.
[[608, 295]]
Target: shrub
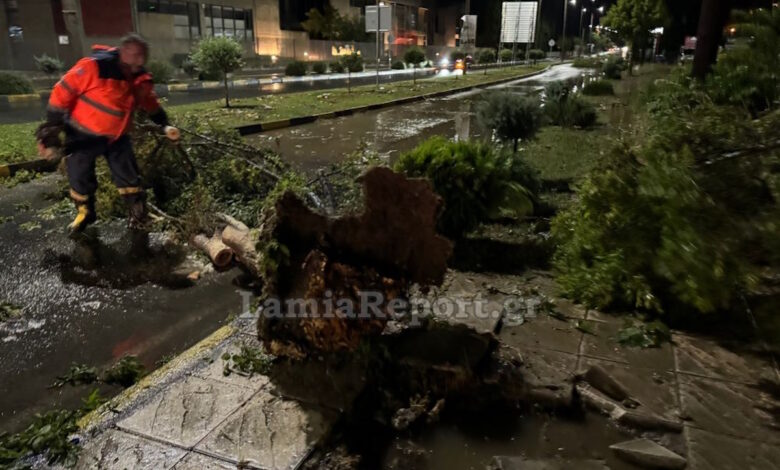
[[337, 67], [296, 68], [48, 65], [15, 84], [319, 68], [512, 117], [188, 67], [505, 55], [587, 63], [162, 72], [598, 88], [536, 54], [476, 182], [612, 67], [414, 56], [486, 56], [564, 108], [398, 65], [676, 221], [353, 62]]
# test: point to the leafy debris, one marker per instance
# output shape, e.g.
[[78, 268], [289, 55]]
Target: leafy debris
[[644, 335], [247, 362]]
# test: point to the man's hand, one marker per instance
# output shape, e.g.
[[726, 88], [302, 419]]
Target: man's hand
[[172, 133], [47, 153]]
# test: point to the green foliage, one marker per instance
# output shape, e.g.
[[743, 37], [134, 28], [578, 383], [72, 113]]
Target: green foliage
[[587, 63], [126, 372], [671, 223], [48, 434], [247, 362], [220, 55], [486, 56], [476, 182], [330, 24], [598, 88], [511, 116], [505, 55], [78, 374], [398, 65], [536, 54], [189, 67], [296, 68], [565, 108], [612, 67], [9, 311], [162, 72], [48, 65], [319, 68], [15, 84], [633, 20], [414, 56], [352, 62], [640, 334], [337, 67], [746, 74]]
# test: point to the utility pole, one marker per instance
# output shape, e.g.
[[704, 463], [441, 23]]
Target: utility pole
[[538, 20], [378, 27], [563, 35], [582, 30]]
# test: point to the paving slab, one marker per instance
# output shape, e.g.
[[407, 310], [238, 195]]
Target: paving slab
[[647, 453], [603, 344], [730, 408], [707, 357], [520, 463], [186, 411], [212, 366], [269, 432], [197, 461], [545, 368], [115, 449], [708, 451], [543, 332], [655, 391]]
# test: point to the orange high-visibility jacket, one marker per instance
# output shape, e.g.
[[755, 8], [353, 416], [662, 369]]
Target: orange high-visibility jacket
[[96, 98]]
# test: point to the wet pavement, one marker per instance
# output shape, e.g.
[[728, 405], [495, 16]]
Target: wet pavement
[[394, 130], [89, 302]]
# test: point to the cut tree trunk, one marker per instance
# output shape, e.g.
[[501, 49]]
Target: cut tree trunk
[[714, 14], [220, 254]]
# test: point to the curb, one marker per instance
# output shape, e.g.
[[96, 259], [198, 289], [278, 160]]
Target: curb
[[249, 129], [175, 366], [12, 100]]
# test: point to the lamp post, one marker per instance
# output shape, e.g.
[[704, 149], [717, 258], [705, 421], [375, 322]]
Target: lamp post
[[563, 36], [582, 30]]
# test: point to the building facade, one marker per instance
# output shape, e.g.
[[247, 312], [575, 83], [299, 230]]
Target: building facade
[[67, 28]]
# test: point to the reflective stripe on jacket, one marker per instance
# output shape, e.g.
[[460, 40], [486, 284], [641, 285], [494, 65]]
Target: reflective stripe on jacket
[[97, 97]]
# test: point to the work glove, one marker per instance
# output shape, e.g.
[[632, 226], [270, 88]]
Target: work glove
[[49, 142]]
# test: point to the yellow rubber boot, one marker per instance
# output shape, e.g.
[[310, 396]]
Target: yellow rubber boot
[[85, 217]]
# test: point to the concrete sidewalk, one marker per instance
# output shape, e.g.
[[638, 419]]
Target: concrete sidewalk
[[712, 402]]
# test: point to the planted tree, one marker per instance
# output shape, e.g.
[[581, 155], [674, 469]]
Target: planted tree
[[505, 55], [536, 55], [415, 56], [486, 56], [48, 65], [633, 20], [512, 117], [352, 63], [162, 72], [219, 55]]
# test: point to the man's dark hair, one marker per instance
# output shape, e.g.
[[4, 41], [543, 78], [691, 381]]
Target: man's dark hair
[[133, 38]]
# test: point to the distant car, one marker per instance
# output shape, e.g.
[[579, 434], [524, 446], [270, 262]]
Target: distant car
[[276, 78], [447, 64]]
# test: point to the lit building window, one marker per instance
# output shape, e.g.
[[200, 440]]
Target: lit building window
[[230, 22], [186, 18]]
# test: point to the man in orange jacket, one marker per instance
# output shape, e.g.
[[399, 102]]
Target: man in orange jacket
[[94, 104]]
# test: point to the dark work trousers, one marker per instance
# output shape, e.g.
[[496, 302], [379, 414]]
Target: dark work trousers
[[83, 150]]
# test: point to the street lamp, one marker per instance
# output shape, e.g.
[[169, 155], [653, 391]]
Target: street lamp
[[563, 36]]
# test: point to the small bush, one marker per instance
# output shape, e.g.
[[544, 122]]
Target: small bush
[[505, 55], [15, 84], [536, 54], [398, 65], [162, 72], [486, 56], [189, 67], [587, 63], [598, 88], [48, 65], [564, 108], [337, 67], [295, 68], [353, 62], [319, 68], [613, 67], [512, 117], [476, 182]]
